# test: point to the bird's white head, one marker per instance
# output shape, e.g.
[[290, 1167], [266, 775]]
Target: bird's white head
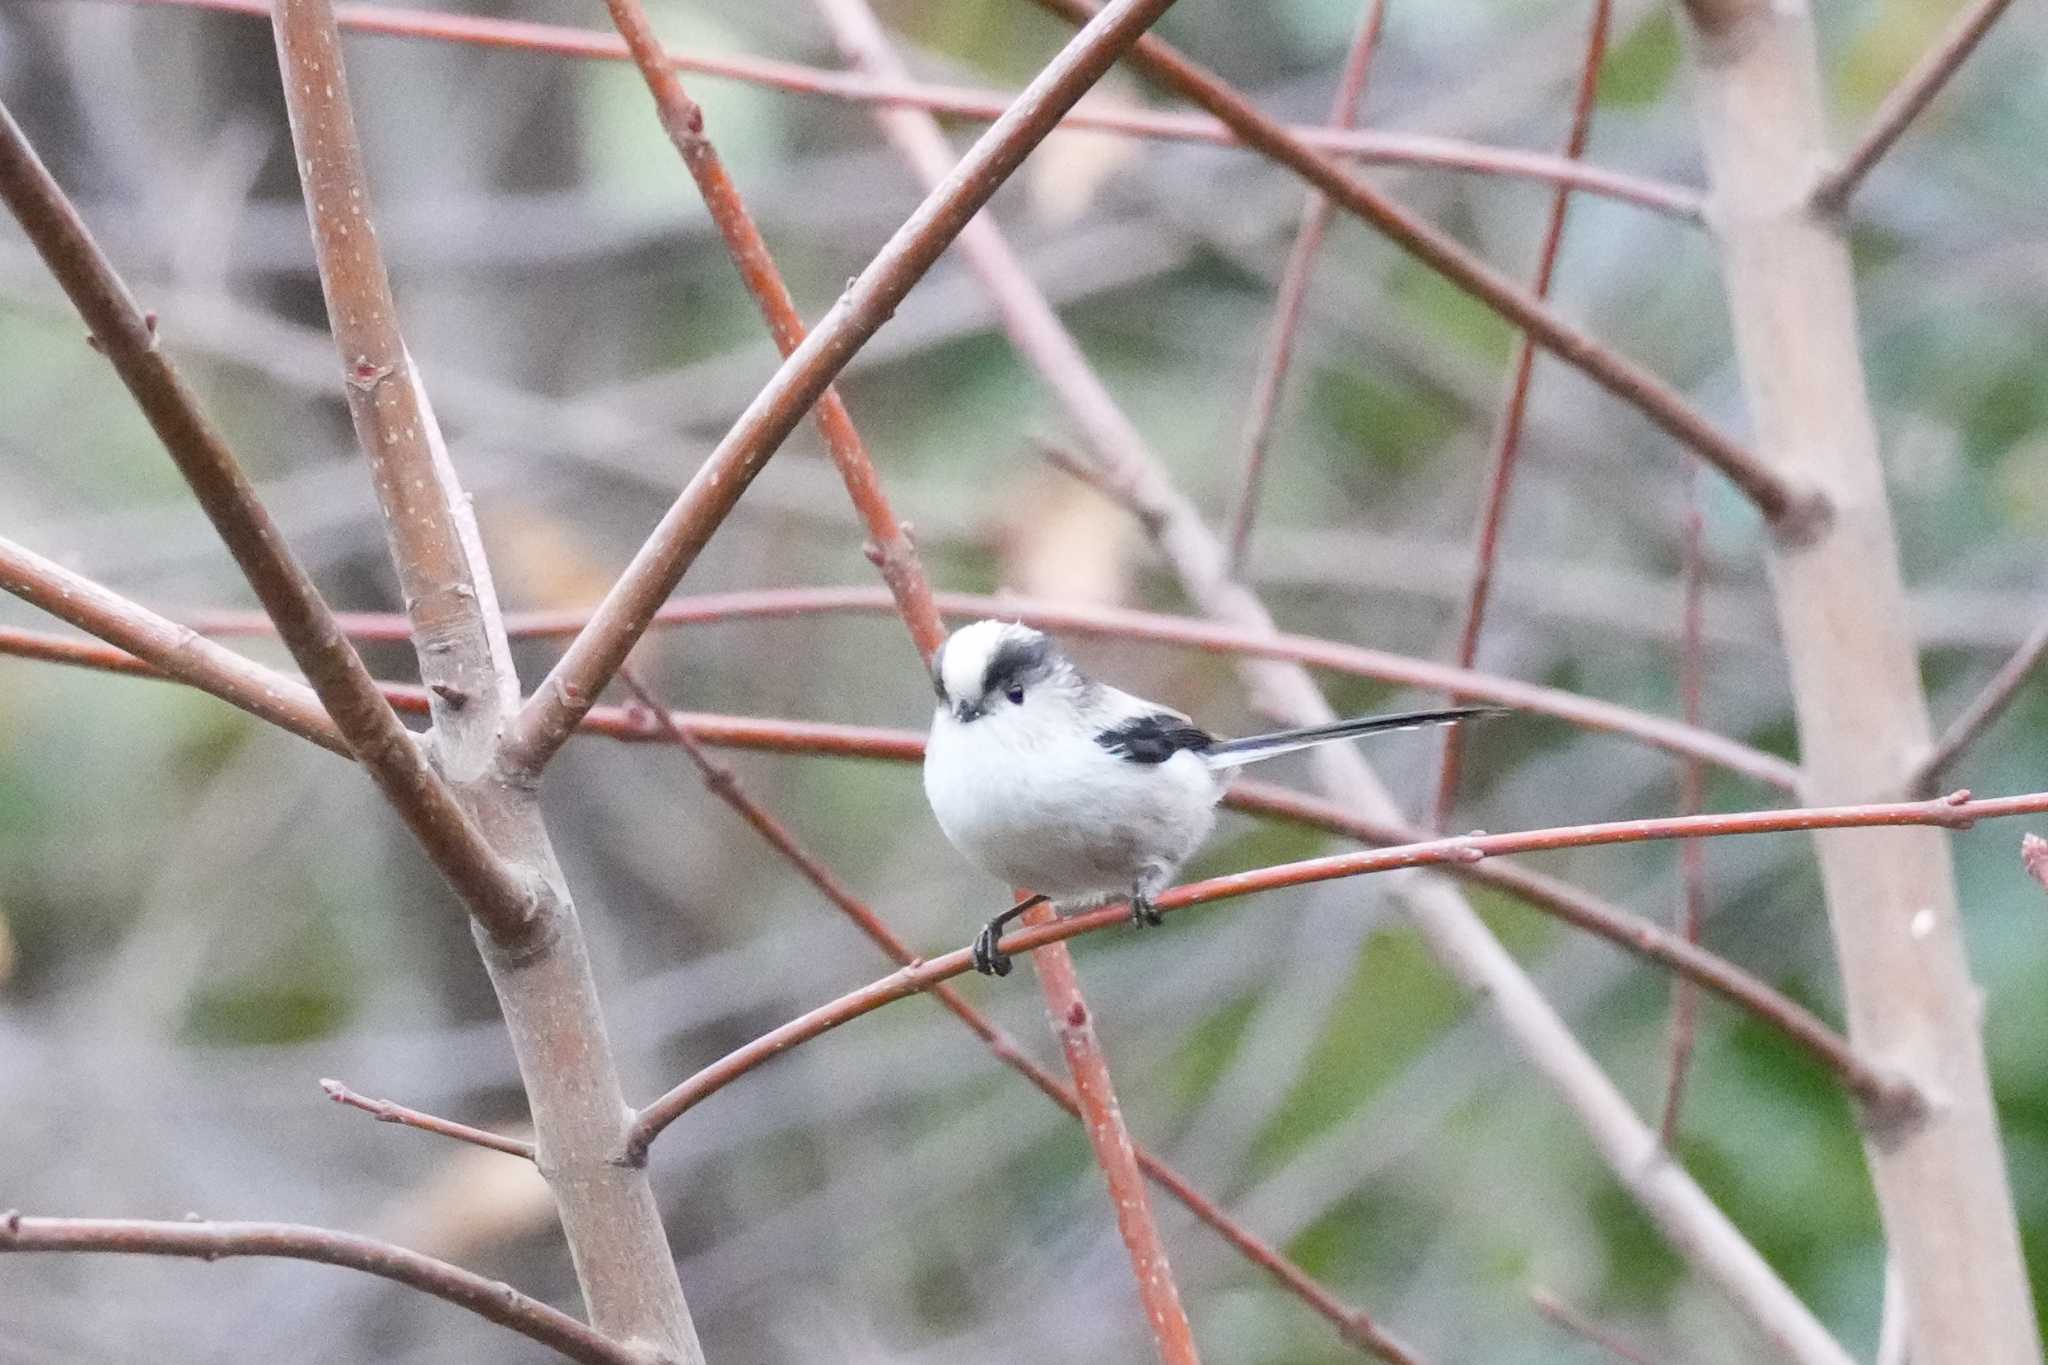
[[993, 664]]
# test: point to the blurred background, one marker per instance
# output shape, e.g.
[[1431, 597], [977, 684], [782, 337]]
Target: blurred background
[[199, 917]]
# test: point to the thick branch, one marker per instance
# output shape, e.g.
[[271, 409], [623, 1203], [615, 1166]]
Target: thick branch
[[1411, 149], [1891, 899], [542, 977], [1793, 510], [574, 684], [491, 1299], [497, 896], [439, 559]]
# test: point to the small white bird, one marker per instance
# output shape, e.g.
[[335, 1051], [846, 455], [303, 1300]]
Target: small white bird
[[1077, 791]]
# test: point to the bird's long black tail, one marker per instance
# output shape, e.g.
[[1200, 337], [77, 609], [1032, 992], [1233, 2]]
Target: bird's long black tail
[[1233, 753]]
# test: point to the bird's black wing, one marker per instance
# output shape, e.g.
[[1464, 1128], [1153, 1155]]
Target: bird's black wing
[[1153, 738]]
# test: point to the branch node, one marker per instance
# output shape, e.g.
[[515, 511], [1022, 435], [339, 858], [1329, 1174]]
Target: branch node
[[1805, 518], [365, 376]]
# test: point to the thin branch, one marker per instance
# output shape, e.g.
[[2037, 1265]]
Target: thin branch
[[499, 898], [595, 655], [177, 652], [385, 1111], [1583, 1327], [1906, 102], [1074, 1024], [1564, 902], [1958, 810], [1872, 1085], [1410, 149], [1692, 799], [1278, 356], [1125, 624], [1354, 1324], [1507, 439], [918, 138], [1793, 510], [207, 1241], [1982, 712], [888, 546]]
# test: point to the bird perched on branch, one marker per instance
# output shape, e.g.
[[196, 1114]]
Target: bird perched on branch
[[1074, 790]]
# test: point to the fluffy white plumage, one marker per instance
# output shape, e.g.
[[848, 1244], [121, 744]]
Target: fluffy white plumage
[[1063, 786]]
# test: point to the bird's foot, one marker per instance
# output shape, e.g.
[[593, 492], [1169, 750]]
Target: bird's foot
[[1142, 913], [989, 959]]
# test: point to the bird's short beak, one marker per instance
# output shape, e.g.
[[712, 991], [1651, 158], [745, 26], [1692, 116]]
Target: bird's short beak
[[967, 711]]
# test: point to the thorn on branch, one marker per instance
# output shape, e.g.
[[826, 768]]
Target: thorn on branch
[[456, 697]]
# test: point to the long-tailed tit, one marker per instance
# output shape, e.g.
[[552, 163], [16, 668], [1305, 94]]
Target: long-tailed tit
[[1077, 791]]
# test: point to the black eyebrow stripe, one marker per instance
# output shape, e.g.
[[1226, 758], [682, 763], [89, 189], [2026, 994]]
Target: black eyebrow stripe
[[939, 668], [1015, 659]]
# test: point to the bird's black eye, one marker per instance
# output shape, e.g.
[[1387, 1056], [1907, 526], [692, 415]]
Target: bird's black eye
[[1016, 696]]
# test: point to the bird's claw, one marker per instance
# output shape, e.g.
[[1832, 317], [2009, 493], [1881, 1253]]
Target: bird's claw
[[989, 959], [1142, 913]]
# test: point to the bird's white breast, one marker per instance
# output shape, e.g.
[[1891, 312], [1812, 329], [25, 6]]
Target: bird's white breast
[[1046, 808]]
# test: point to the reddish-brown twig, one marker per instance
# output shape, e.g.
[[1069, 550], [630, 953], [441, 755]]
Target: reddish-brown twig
[[888, 546], [1792, 509], [1115, 1153], [1958, 810], [1906, 102], [1691, 797], [1461, 941], [1354, 1324], [1558, 899], [1413, 149], [1126, 624], [1877, 1088], [385, 1111], [595, 655], [1982, 712], [206, 1241], [1507, 438], [1292, 295], [917, 136], [176, 651], [1579, 1325], [501, 900]]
